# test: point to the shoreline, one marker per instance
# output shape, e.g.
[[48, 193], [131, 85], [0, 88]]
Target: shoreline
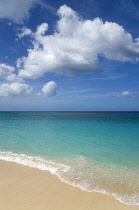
[[22, 187], [54, 168]]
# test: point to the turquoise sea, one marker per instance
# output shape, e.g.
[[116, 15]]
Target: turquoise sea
[[96, 151]]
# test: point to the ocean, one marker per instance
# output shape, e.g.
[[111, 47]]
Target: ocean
[[95, 151]]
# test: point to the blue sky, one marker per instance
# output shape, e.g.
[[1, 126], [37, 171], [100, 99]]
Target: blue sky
[[69, 55]]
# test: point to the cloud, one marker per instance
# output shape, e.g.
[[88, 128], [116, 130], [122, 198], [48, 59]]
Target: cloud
[[14, 89], [127, 93], [16, 10], [50, 89], [8, 73], [24, 32], [76, 46]]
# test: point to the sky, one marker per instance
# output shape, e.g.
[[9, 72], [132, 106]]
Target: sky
[[63, 55]]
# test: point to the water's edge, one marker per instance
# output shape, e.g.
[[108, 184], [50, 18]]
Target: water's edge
[[51, 166]]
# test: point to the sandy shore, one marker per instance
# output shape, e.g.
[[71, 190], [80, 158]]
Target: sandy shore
[[24, 188]]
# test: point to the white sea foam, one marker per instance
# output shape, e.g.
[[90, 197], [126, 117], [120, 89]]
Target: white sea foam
[[63, 172], [34, 162]]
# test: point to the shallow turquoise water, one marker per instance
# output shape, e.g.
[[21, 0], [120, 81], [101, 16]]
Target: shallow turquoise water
[[100, 149]]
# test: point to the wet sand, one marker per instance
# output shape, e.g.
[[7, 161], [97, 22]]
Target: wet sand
[[25, 188]]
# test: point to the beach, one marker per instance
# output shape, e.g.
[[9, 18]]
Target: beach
[[26, 188], [79, 160]]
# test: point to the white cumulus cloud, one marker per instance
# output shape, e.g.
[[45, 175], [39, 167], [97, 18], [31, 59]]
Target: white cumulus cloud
[[50, 89], [8, 73], [14, 89], [24, 32], [16, 10], [76, 45]]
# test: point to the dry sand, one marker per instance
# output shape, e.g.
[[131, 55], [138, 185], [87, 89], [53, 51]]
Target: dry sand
[[24, 188]]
